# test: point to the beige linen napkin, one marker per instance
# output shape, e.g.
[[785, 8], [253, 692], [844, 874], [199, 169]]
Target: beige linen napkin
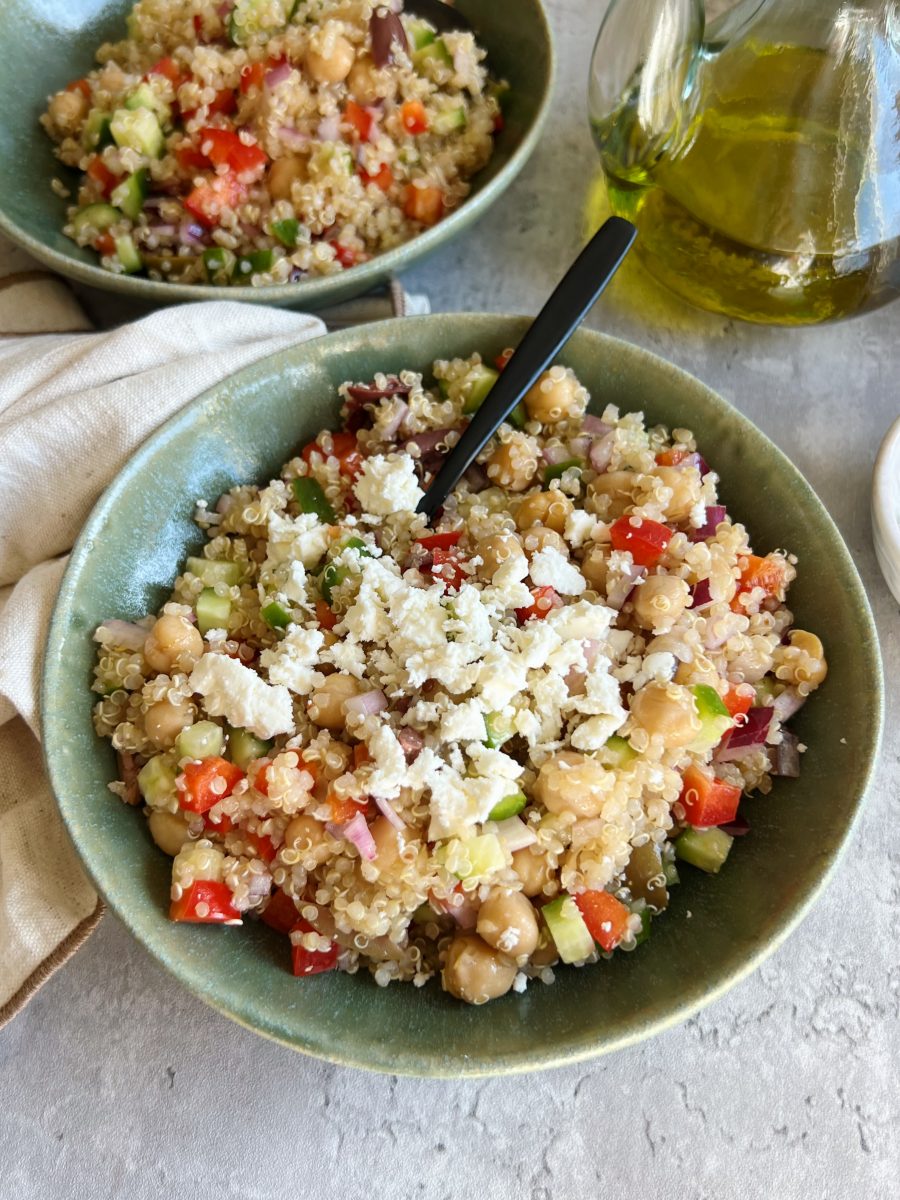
[[73, 407]]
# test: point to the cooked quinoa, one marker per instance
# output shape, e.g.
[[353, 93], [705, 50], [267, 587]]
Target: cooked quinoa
[[470, 750], [264, 141]]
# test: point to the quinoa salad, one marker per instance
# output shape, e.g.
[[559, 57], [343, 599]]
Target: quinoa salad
[[265, 141], [473, 750]]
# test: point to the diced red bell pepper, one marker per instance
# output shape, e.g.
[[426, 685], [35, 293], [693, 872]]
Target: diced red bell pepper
[[766, 573], [222, 147], [102, 175], [447, 568], [706, 800], [206, 903], [360, 120], [207, 200], [672, 458], [222, 104], [345, 255], [605, 916], [382, 178], [344, 809], [252, 76], [80, 85], [503, 357], [425, 204], [344, 448], [105, 243], [198, 794], [413, 116], [224, 824], [280, 913], [499, 123], [324, 615], [311, 962], [736, 703], [361, 755], [261, 776], [260, 845], [545, 600], [646, 541], [170, 69], [190, 159], [439, 541]]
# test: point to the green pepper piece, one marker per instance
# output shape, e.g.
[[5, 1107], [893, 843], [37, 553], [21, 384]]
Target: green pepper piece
[[276, 615], [509, 806], [557, 469], [518, 416], [287, 231], [309, 495]]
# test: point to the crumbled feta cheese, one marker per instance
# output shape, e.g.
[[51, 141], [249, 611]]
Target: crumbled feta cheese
[[388, 484], [294, 585], [580, 526], [231, 690], [463, 723], [491, 762], [304, 538], [291, 662], [347, 655], [584, 620], [549, 568], [388, 774]]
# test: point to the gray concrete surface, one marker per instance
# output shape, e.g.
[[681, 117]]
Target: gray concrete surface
[[117, 1083]]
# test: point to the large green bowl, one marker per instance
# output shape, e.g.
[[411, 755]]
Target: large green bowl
[[243, 430], [47, 44]]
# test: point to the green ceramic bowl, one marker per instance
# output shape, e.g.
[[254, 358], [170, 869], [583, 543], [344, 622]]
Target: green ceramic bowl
[[243, 430], [45, 45]]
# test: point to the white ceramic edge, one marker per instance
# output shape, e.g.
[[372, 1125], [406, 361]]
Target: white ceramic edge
[[886, 508]]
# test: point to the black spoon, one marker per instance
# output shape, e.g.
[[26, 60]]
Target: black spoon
[[548, 333], [444, 17]]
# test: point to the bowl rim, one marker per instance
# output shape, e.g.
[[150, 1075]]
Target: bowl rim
[[319, 291], [886, 508], [580, 1048]]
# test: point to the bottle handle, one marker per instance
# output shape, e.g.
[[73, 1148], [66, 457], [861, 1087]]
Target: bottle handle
[[643, 70]]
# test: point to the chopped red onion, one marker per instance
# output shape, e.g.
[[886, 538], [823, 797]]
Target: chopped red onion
[[465, 913], [784, 760], [357, 831], [477, 478], [579, 447], [717, 633], [191, 234], [715, 515], [225, 503], [747, 737], [293, 138], [278, 75], [554, 455], [386, 30], [575, 681], [591, 649], [787, 703], [400, 413], [367, 703], [515, 835], [411, 743], [428, 441], [159, 229], [622, 587], [736, 828], [258, 887], [365, 392], [700, 595], [329, 129], [601, 452], [389, 812], [594, 425], [121, 633], [224, 9]]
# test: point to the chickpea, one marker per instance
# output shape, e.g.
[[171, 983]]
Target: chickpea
[[168, 830], [307, 836], [539, 537], [546, 953], [572, 783], [507, 922], [367, 84], [164, 721], [659, 601], [173, 644], [67, 110], [802, 663], [610, 494], [326, 704], [595, 567], [284, 173], [533, 870], [554, 397], [329, 57], [512, 465], [389, 843], [685, 485], [699, 670], [474, 972], [496, 550], [550, 508], [667, 711]]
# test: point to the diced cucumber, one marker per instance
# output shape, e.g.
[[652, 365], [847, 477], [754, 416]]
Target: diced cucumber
[[670, 870], [287, 231], [144, 97], [434, 51], [618, 752], [498, 729], [128, 254], [96, 132], [765, 691], [449, 119], [482, 380], [704, 848], [568, 930], [309, 495], [95, 216], [131, 193], [256, 263], [557, 470], [333, 576], [212, 610], [715, 719], [201, 740], [509, 806], [138, 129], [518, 416], [244, 747], [419, 33], [251, 18], [156, 780], [276, 615], [640, 907], [219, 265], [214, 570], [473, 857]]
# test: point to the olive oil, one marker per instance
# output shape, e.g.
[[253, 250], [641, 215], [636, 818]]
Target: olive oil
[[760, 211]]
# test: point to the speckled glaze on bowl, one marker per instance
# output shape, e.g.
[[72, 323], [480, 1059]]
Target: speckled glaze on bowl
[[243, 430], [48, 43]]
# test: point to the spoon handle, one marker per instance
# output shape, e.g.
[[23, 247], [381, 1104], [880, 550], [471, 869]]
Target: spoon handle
[[548, 333]]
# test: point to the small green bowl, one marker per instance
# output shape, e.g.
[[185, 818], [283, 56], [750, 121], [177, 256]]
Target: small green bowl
[[130, 551], [45, 46]]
